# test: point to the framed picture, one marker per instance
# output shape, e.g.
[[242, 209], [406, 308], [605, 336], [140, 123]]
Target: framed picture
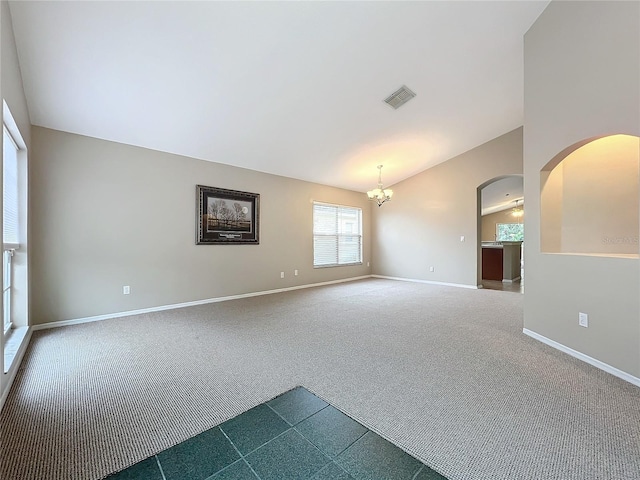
[[226, 217]]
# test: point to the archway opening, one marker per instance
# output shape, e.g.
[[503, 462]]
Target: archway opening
[[501, 233]]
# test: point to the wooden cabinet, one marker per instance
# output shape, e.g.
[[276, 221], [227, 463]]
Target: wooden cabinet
[[492, 261], [501, 261]]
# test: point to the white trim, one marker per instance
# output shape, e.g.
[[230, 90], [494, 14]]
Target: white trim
[[506, 280], [585, 358], [15, 366], [76, 321], [460, 285], [25, 342], [12, 127]]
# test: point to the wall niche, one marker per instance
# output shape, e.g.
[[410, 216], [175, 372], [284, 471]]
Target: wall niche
[[590, 198]]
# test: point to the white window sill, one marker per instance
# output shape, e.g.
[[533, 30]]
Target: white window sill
[[12, 345]]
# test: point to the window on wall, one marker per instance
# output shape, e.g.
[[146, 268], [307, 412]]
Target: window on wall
[[9, 189], [337, 235], [510, 232], [10, 219], [14, 235]]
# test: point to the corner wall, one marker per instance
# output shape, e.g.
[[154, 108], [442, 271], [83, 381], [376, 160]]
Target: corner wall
[[421, 227], [582, 77], [105, 215]]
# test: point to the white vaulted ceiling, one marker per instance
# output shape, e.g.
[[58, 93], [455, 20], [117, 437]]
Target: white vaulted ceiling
[[290, 88]]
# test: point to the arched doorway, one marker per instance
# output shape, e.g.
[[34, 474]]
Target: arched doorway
[[500, 240]]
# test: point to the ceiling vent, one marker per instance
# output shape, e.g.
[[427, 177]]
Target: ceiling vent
[[400, 97]]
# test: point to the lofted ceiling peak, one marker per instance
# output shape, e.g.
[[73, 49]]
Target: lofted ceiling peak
[[289, 88]]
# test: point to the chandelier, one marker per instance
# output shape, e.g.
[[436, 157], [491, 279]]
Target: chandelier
[[517, 211], [380, 195]]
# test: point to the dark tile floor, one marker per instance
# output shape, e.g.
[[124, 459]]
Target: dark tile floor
[[294, 436], [516, 286]]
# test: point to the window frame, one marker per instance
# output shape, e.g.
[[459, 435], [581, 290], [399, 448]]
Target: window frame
[[15, 270], [339, 235]]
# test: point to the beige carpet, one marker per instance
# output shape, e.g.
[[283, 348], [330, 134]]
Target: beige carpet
[[443, 372]]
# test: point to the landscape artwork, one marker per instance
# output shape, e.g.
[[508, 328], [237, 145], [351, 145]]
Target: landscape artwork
[[226, 216]]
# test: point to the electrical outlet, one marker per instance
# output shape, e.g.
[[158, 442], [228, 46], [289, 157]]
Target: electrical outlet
[[583, 319], [368, 264], [431, 269], [281, 274], [126, 290], [462, 238], [295, 273]]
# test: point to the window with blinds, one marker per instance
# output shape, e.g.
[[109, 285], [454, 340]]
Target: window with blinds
[[9, 189], [14, 232], [337, 235]]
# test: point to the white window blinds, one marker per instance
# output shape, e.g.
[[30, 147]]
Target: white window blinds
[[9, 189], [337, 235]]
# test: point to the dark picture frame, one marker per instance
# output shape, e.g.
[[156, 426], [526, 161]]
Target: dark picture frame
[[226, 217]]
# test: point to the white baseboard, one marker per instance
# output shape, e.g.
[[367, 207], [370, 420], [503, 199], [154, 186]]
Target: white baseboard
[[96, 318], [15, 365], [20, 354], [506, 280], [461, 285], [585, 358]]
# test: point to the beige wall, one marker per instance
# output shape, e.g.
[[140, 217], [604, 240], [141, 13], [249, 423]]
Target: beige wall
[[490, 221], [421, 227], [582, 71], [107, 215], [550, 210]]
